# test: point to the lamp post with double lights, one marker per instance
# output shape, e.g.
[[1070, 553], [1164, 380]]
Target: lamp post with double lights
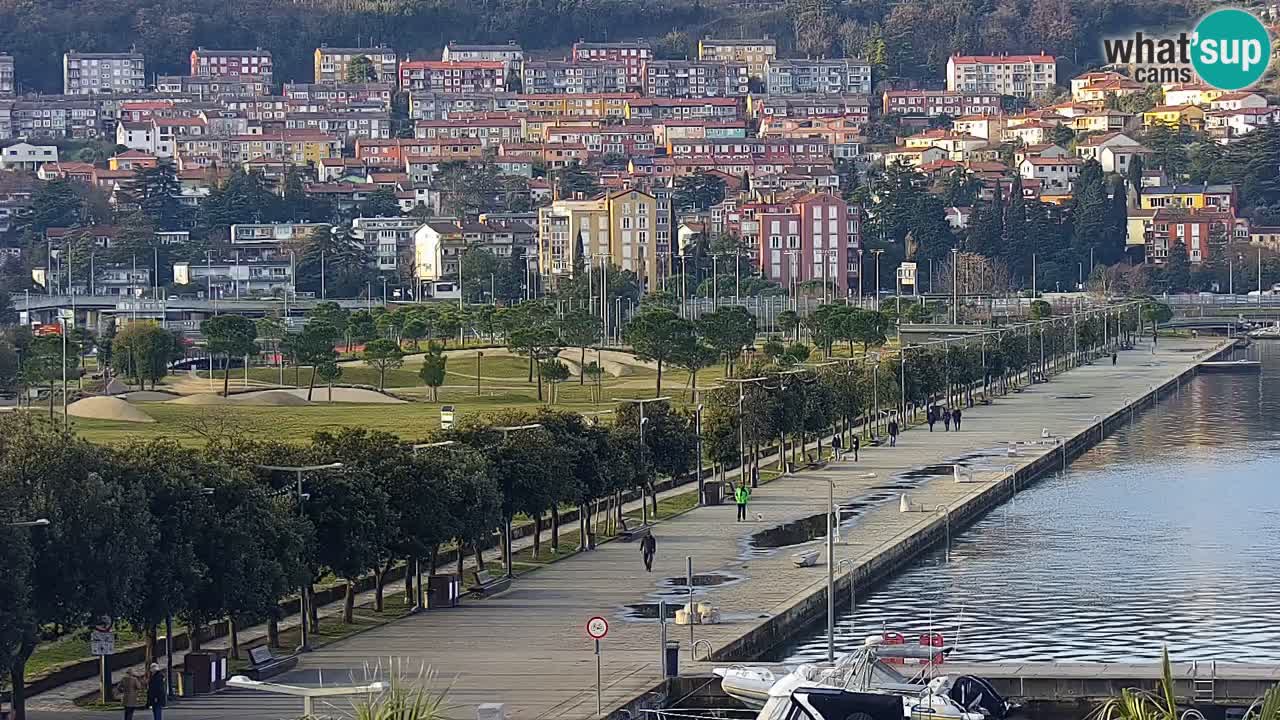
[[304, 599], [641, 402], [506, 525]]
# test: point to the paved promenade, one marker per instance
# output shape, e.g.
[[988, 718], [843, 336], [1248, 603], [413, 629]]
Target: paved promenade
[[528, 647]]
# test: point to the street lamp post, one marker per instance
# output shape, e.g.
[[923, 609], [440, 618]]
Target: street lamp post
[[304, 600], [506, 524], [697, 461], [742, 442], [831, 572], [860, 274], [876, 305], [955, 288], [644, 509]]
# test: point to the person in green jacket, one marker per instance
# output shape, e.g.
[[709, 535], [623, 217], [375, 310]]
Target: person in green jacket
[[741, 495]]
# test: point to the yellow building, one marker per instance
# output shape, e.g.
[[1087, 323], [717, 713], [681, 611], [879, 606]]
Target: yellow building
[[581, 105], [633, 227], [754, 52], [620, 229], [307, 147], [330, 64], [1217, 197], [568, 227], [1174, 115]]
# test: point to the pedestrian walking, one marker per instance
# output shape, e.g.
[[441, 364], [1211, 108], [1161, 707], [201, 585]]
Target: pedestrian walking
[[133, 692], [835, 446], [1114, 356], [955, 417], [857, 445], [893, 433], [932, 416], [741, 495], [648, 547], [157, 692], [946, 419]]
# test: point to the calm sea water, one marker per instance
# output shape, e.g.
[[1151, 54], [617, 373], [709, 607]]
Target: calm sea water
[[1166, 534]]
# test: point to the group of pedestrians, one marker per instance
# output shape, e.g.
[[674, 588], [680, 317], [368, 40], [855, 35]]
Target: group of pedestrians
[[137, 691], [944, 415], [742, 491]]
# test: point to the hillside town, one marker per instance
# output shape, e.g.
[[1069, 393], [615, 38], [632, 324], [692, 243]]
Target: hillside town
[[217, 181]]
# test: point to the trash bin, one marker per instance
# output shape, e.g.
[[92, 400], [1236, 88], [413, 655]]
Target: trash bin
[[443, 591], [711, 493], [673, 658], [206, 671]]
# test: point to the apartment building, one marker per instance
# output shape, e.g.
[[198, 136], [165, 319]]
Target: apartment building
[[648, 109], [8, 86], [256, 63], [696, 79], [332, 64], [812, 236], [1021, 76], [474, 76], [386, 239], [439, 244], [754, 52], [510, 53], [932, 103], [572, 77], [801, 106], [214, 88], [92, 73], [837, 76], [634, 54], [341, 93], [619, 228], [56, 116]]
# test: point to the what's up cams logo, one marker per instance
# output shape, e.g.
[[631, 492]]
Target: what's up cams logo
[[1229, 49]]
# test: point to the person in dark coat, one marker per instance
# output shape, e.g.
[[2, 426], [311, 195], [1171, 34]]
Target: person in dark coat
[[157, 692], [946, 419], [857, 445], [955, 417], [893, 433], [648, 547], [835, 446], [932, 416]]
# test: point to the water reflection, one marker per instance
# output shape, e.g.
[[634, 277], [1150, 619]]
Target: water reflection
[[1168, 533]]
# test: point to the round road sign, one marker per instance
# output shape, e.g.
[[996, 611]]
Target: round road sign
[[597, 627]]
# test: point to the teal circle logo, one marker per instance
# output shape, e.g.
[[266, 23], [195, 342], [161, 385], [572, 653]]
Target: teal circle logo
[[1230, 49]]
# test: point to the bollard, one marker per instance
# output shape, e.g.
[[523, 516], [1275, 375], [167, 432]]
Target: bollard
[[671, 667]]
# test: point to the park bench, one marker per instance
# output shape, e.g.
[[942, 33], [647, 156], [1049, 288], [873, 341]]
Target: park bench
[[636, 533], [486, 584], [263, 664]]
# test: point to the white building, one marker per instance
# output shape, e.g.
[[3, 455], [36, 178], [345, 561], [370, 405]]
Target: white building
[[385, 238], [25, 156], [1018, 75], [1053, 173], [232, 278], [511, 53], [89, 73], [837, 76]]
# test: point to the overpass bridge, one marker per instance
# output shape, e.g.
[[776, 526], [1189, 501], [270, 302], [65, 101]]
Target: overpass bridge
[[182, 313]]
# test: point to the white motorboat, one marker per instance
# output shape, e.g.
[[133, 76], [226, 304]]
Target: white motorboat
[[873, 670]]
